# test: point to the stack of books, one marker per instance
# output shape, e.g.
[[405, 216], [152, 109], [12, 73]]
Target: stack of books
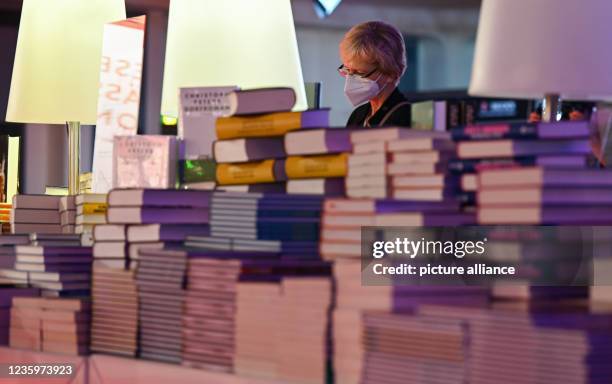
[[109, 246], [36, 213], [56, 270], [160, 280], [427, 349], [54, 240], [51, 325], [327, 151], [210, 311], [271, 306], [7, 294], [304, 328], [139, 220], [26, 323], [152, 218], [8, 255], [67, 207], [400, 163], [543, 195], [292, 221], [257, 320], [5, 217], [514, 342], [251, 150], [65, 326], [353, 299], [114, 326], [515, 145], [90, 211], [343, 218], [219, 332]]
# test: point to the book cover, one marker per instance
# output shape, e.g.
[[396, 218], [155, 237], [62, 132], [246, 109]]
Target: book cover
[[197, 171], [144, 161], [436, 115], [199, 109]]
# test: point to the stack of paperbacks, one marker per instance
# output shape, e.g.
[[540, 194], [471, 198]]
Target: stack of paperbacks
[[7, 293], [90, 211], [289, 223], [343, 218], [502, 145], [67, 208], [426, 349], [283, 329], [254, 156], [353, 298], [8, 275], [210, 306], [401, 163], [223, 330], [516, 342], [160, 279], [56, 270], [57, 325], [36, 213], [151, 219]]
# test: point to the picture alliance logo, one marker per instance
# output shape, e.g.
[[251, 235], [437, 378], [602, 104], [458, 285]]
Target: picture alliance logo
[[413, 248]]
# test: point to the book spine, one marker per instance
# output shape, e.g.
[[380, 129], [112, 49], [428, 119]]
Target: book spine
[[93, 208], [307, 167], [247, 173], [496, 131], [275, 124]]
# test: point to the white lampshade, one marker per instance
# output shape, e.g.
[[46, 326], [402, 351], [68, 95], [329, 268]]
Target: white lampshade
[[529, 48], [57, 62], [246, 43]]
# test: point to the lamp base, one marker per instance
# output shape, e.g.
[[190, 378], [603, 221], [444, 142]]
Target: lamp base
[[551, 107], [74, 156]]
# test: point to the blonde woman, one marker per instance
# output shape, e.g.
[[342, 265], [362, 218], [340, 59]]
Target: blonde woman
[[373, 58]]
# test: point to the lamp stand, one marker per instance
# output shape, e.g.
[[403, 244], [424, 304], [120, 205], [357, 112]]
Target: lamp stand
[[551, 107], [74, 155]]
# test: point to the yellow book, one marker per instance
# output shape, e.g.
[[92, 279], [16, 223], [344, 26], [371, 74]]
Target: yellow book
[[310, 167], [92, 208], [266, 171], [272, 124]]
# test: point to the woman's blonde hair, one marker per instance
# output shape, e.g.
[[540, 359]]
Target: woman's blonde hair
[[378, 43]]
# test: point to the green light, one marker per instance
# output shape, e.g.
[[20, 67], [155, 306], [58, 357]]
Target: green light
[[169, 120]]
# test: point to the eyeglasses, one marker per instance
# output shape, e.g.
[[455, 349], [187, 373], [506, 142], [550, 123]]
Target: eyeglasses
[[344, 72]]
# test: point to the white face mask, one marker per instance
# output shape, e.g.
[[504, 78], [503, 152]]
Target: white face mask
[[360, 89]]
